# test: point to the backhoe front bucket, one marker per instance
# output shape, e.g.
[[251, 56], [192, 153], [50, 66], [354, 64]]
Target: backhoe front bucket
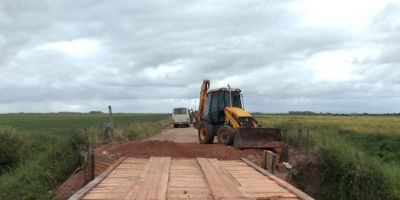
[[268, 138]]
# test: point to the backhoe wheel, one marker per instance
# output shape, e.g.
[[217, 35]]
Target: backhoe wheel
[[225, 135], [205, 137]]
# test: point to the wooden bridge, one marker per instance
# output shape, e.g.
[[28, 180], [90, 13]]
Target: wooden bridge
[[200, 178]]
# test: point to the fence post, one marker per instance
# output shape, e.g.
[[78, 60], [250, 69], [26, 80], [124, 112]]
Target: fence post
[[269, 161], [111, 128], [286, 148], [264, 160], [90, 161], [307, 142], [299, 136]]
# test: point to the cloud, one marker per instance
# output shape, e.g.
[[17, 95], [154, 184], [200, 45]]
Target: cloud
[[79, 47], [150, 56]]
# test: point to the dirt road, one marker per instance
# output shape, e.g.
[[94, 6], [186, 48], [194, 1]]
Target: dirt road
[[177, 143], [178, 135]]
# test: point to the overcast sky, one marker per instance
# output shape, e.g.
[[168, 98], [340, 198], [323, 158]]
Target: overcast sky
[[149, 56]]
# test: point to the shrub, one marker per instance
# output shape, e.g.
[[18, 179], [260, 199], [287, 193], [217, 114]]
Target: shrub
[[52, 158], [351, 176], [12, 144]]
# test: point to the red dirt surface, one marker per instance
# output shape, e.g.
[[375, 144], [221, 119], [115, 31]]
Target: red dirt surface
[[72, 184], [150, 148]]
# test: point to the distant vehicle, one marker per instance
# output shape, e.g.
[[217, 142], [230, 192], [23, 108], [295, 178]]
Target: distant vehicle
[[181, 116]]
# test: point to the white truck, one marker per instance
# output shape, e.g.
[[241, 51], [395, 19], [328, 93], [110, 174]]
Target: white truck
[[181, 117]]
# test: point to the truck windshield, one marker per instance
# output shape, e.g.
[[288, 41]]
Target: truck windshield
[[180, 111]]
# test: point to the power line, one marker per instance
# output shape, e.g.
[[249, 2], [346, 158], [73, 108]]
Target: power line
[[254, 20], [239, 22], [277, 17], [241, 17], [262, 34]]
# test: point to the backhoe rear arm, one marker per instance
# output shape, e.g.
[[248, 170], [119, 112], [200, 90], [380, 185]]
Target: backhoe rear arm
[[203, 99]]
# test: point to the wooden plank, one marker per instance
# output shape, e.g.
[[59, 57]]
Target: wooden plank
[[134, 186], [163, 186], [256, 184], [95, 181], [143, 186], [158, 184], [221, 183], [186, 181], [153, 181], [279, 181], [118, 182], [146, 184], [216, 188]]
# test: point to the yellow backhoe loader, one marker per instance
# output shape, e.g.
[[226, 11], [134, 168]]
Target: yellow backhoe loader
[[221, 114]]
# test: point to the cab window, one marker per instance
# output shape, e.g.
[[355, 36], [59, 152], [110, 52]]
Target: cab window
[[236, 102], [179, 111]]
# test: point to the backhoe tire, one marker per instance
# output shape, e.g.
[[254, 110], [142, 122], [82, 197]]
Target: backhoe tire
[[205, 133], [225, 135]]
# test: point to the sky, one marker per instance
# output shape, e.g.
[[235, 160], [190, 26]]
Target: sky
[[337, 56]]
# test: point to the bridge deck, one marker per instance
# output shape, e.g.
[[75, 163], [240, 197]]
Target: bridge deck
[[201, 178]]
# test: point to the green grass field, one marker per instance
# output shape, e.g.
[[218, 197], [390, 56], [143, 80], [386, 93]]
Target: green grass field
[[50, 123], [359, 156], [39, 151]]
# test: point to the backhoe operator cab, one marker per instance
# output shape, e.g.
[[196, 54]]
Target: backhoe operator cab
[[218, 100]]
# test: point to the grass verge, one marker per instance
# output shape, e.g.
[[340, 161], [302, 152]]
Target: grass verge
[[47, 155], [134, 131], [358, 157], [49, 160]]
